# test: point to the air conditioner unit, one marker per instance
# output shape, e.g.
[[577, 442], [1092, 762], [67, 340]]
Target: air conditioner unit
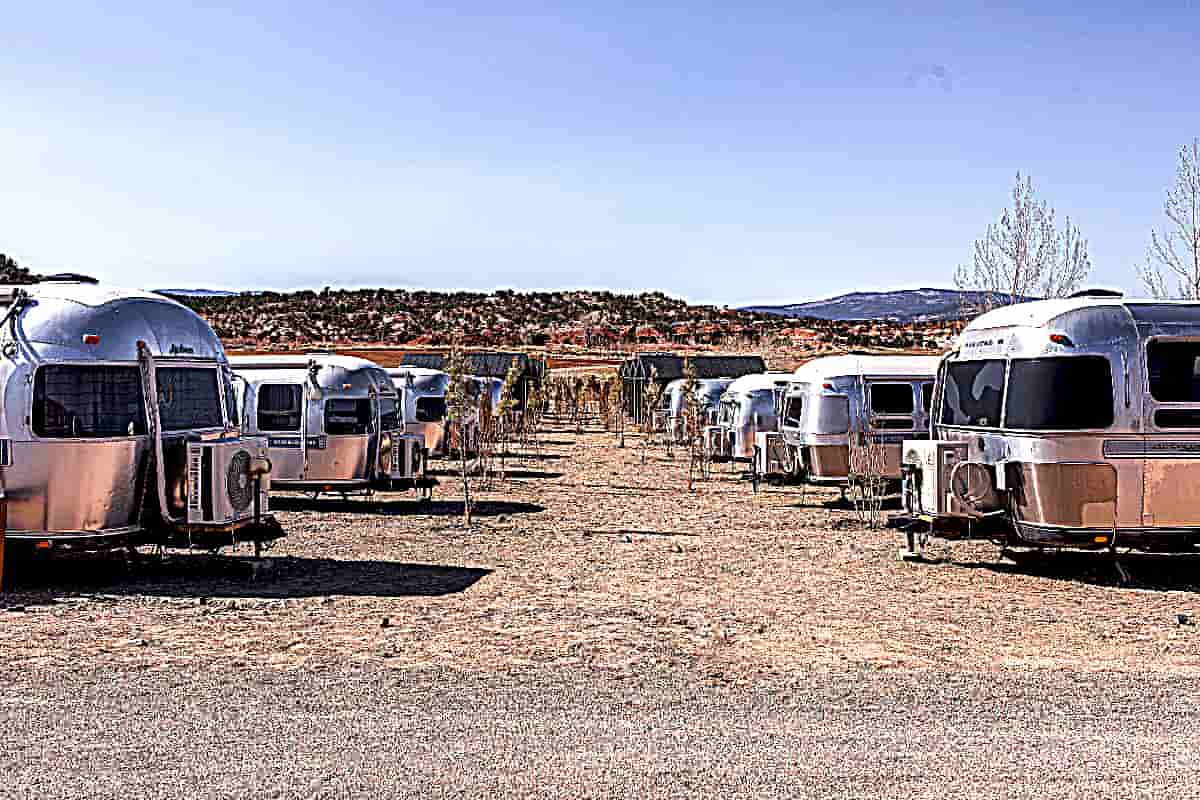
[[408, 457], [223, 477], [774, 459], [928, 466]]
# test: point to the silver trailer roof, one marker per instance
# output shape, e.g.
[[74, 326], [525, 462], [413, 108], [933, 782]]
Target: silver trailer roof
[[342, 374], [764, 381], [57, 316], [429, 381], [1073, 325], [823, 369]]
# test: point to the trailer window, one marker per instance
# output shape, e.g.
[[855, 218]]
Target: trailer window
[[974, 393], [1174, 371], [431, 409], [1059, 394], [793, 410], [895, 399], [389, 414], [189, 398], [88, 402], [1177, 418], [927, 397], [347, 417], [279, 407]]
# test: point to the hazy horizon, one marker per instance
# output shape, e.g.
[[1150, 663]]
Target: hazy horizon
[[725, 156]]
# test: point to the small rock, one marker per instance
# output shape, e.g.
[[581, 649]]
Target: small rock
[[678, 547], [1184, 619], [137, 643], [203, 601], [627, 539], [386, 623], [325, 601]]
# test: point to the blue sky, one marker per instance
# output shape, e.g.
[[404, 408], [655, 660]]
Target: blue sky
[[727, 154]]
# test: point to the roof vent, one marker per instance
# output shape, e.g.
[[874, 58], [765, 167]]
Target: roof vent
[[69, 277], [1098, 293]]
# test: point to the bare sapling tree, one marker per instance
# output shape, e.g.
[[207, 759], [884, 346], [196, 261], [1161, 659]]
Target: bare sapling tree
[[692, 423], [616, 409], [1174, 253], [1025, 254], [530, 419], [460, 408], [651, 396], [868, 471], [506, 410]]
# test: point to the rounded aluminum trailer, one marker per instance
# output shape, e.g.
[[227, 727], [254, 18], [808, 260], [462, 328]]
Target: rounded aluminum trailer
[[1076, 422], [831, 399], [423, 401], [80, 441], [332, 422], [750, 406], [708, 393]]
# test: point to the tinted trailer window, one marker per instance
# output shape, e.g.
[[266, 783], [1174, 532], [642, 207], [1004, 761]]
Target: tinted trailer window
[[974, 394], [892, 405], [347, 417], [279, 407], [88, 402], [1059, 394], [431, 409], [189, 398], [1174, 371]]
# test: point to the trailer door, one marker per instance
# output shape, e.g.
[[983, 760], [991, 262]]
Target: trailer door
[[278, 414], [1171, 432]]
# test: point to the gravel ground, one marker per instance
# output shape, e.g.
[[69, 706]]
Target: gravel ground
[[599, 630], [387, 734]]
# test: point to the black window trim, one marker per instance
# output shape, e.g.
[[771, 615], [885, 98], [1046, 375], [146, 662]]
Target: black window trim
[[939, 399], [258, 411], [873, 415], [1061, 431], [215, 366], [371, 415], [29, 410], [1152, 405]]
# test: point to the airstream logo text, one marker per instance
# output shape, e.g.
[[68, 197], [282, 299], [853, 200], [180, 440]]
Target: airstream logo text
[[181, 349], [1132, 448], [293, 442]]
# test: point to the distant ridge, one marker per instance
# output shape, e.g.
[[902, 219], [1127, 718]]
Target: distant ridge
[[906, 305], [197, 292]]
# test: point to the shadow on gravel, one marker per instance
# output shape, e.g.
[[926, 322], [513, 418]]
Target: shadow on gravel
[[529, 457], [200, 576], [432, 508], [1147, 571], [529, 473]]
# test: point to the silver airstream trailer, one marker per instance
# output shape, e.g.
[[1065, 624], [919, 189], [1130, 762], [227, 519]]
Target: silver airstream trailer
[[1071, 422], [834, 401], [332, 423], [423, 403], [118, 424], [748, 407], [708, 393]]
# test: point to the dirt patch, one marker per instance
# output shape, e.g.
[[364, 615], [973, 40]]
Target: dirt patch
[[603, 565]]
